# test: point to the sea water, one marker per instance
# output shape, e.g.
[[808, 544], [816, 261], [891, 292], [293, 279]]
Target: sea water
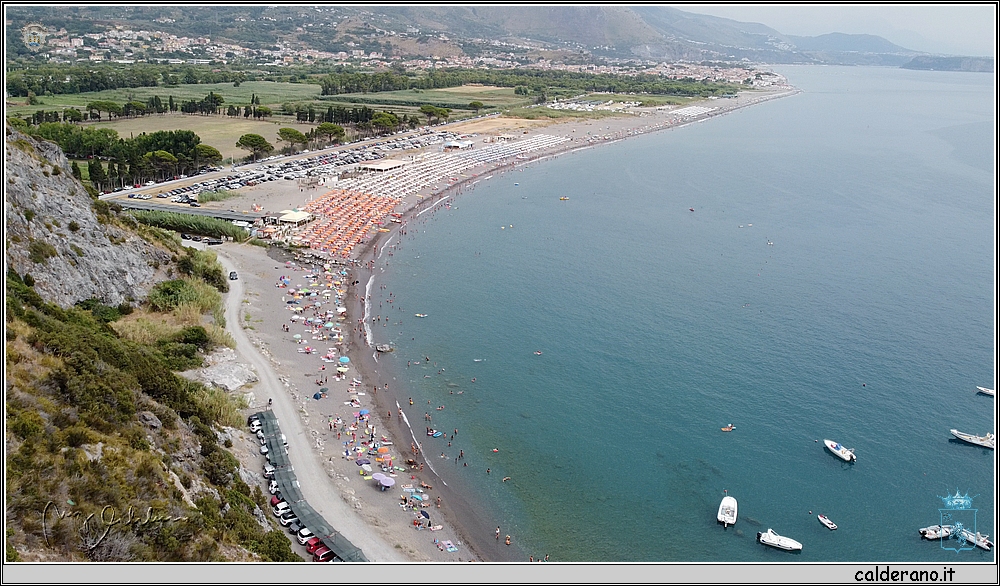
[[836, 280]]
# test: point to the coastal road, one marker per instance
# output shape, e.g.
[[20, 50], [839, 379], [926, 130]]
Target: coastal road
[[317, 488]]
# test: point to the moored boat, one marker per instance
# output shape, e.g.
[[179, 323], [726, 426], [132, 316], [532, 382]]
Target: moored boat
[[846, 454], [987, 441], [986, 391], [774, 540], [827, 522], [727, 511], [978, 539], [937, 531]]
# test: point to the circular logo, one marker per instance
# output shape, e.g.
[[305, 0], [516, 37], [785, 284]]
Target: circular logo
[[33, 36]]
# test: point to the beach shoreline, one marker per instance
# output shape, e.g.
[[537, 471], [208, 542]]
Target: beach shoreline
[[463, 520]]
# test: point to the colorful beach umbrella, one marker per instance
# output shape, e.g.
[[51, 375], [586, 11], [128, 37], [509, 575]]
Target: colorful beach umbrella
[[344, 359], [297, 336], [364, 412], [342, 369], [387, 482]]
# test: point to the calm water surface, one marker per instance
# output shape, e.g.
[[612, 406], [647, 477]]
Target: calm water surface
[[836, 280]]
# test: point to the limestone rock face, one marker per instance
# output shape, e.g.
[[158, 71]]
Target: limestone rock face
[[54, 235]]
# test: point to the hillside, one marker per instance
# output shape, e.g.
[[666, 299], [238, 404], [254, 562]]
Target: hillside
[[622, 31], [110, 455]]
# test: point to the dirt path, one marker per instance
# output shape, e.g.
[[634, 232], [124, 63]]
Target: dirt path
[[314, 482]]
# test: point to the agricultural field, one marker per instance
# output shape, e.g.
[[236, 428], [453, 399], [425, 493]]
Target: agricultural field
[[453, 97], [271, 94], [221, 132]]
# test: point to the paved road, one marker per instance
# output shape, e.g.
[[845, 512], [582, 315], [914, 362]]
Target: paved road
[[316, 486]]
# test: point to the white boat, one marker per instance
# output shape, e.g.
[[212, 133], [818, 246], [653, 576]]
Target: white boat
[[844, 453], [827, 522], [979, 539], [774, 540], [727, 511], [986, 391], [937, 531], [987, 441]]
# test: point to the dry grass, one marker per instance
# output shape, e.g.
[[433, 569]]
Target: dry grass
[[225, 409], [221, 132]]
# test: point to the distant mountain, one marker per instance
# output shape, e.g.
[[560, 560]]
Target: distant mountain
[[559, 31], [978, 64], [652, 32]]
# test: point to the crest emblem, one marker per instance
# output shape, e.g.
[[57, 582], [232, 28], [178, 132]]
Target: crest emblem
[[33, 36]]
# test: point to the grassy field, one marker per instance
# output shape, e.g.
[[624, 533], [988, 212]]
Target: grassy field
[[455, 97], [543, 113], [220, 132], [270, 93]]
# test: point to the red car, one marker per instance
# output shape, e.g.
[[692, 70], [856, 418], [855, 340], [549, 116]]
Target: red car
[[313, 544], [323, 554]]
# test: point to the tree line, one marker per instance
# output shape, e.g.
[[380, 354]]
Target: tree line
[[539, 80], [157, 155], [61, 79]]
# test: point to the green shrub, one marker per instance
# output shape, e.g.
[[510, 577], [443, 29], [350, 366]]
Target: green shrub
[[40, 251], [29, 215], [73, 226]]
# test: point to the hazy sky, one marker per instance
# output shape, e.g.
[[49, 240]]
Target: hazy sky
[[955, 29]]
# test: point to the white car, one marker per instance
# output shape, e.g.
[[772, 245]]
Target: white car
[[304, 535], [263, 449], [273, 487]]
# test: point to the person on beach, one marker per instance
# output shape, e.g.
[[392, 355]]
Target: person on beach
[[507, 541], [498, 533]]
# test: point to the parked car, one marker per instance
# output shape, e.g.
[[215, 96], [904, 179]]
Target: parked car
[[272, 487], [295, 527], [280, 509], [269, 473], [313, 543], [323, 554], [305, 535], [263, 449], [287, 518]]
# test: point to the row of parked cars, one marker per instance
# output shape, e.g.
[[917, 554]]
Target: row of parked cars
[[325, 163], [282, 510]]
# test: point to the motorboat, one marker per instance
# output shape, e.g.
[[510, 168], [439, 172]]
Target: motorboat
[[843, 453], [937, 531], [979, 539], [986, 391], [826, 522], [729, 427], [727, 511], [987, 441], [774, 540]]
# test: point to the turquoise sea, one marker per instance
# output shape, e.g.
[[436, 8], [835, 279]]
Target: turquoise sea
[[837, 279]]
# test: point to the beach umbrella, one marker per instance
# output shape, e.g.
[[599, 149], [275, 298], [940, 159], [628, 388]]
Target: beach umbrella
[[297, 336], [364, 412], [324, 389], [366, 467], [342, 369], [344, 359], [329, 324], [425, 514], [341, 310], [383, 450], [387, 482], [378, 476]]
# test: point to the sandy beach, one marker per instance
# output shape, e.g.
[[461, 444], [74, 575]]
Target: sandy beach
[[260, 316]]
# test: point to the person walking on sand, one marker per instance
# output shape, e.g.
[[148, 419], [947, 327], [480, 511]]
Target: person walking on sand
[[498, 533]]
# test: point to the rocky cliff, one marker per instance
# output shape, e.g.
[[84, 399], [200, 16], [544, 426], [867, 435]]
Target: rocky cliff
[[68, 243]]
